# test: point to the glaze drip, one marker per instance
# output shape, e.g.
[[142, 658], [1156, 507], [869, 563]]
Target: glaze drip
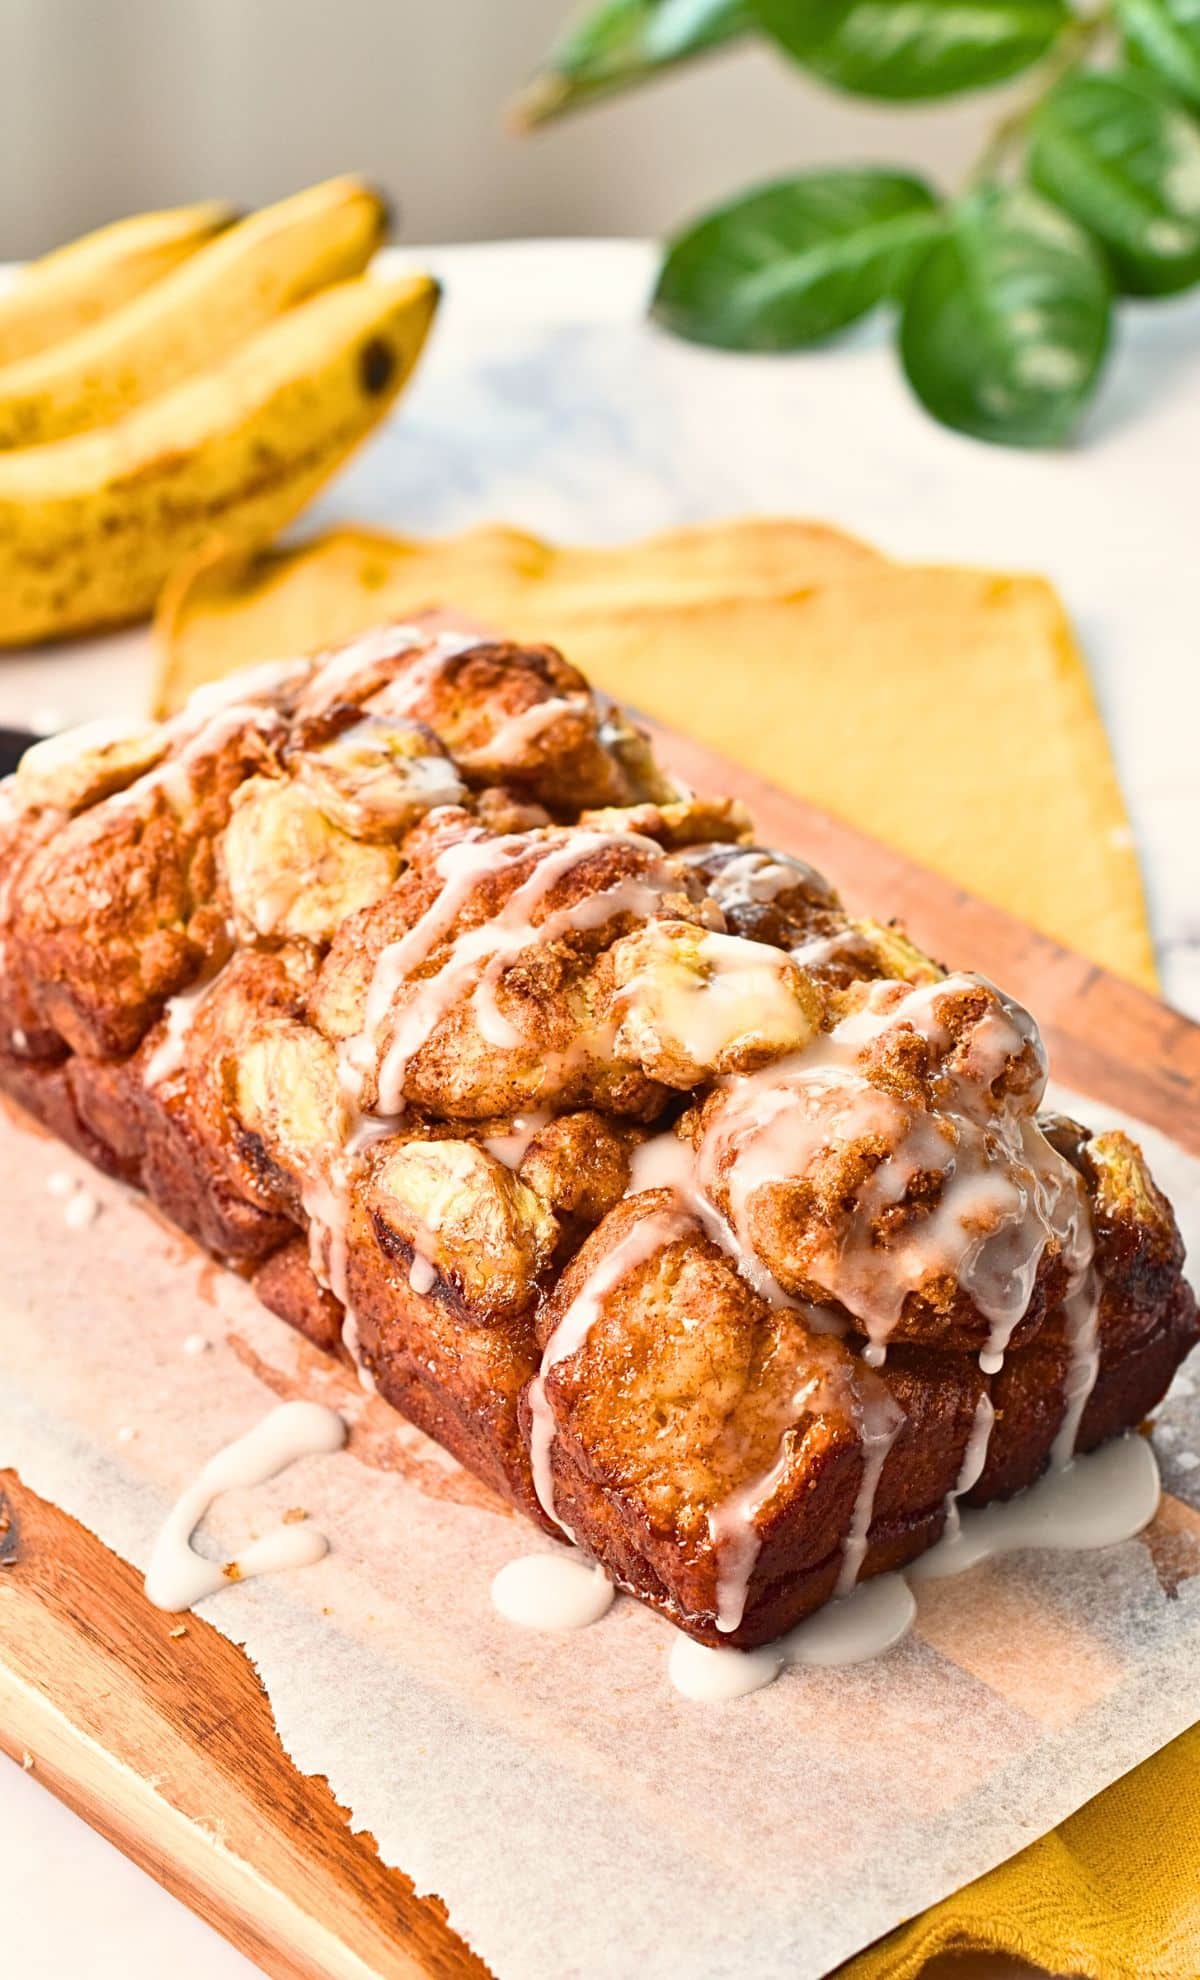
[[477, 958], [1004, 1195], [649, 1236], [177, 1576]]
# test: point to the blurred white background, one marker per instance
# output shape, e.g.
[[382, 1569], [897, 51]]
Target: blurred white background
[[108, 106]]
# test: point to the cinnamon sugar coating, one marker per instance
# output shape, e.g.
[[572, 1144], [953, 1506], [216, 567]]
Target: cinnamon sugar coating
[[843, 1176], [679, 1204], [504, 991]]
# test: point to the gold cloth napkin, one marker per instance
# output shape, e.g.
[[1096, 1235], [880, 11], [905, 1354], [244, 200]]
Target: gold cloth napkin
[[947, 711], [1112, 1894]]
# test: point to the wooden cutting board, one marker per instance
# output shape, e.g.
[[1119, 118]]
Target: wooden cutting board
[[167, 1745]]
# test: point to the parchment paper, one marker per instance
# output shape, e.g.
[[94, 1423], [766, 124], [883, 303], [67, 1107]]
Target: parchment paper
[[576, 1815]]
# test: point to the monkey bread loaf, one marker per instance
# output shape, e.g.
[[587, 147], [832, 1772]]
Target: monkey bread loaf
[[718, 1230]]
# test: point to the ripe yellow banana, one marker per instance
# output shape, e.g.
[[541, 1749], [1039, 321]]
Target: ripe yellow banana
[[80, 284], [91, 526], [190, 320]]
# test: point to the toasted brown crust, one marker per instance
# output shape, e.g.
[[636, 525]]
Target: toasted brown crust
[[119, 908], [444, 879], [456, 1372], [287, 1285], [554, 994]]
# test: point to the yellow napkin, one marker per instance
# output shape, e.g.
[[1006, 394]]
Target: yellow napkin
[[946, 711], [225, 609], [1111, 1894]]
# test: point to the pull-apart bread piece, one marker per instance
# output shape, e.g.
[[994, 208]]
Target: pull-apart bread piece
[[716, 1228]]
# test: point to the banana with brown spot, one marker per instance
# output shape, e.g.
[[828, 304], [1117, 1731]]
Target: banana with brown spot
[[90, 527], [195, 316]]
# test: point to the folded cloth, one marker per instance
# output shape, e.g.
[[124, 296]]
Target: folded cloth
[[947, 711], [1111, 1894]]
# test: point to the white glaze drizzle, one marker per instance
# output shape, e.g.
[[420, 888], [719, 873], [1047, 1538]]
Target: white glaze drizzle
[[970, 1470], [179, 1015], [335, 677], [80, 1210], [733, 1525], [1099, 1501], [880, 1421], [1081, 1321], [845, 944], [509, 737], [264, 681], [325, 1198], [178, 1576], [1006, 1194], [851, 1631], [1024, 1214], [80, 1207], [644, 1239], [1096, 1501], [561, 1591], [477, 957], [665, 1162], [755, 878], [422, 1273], [512, 1145], [472, 965]]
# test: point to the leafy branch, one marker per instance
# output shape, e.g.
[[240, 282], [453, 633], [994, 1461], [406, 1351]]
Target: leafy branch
[[1004, 292]]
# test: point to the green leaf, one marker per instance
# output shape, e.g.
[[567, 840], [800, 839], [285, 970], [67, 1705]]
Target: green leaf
[[622, 42], [1165, 36], [1119, 155], [791, 263], [1006, 322], [913, 48]]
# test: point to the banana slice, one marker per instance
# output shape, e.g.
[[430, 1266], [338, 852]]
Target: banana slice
[[282, 1084], [81, 284], [69, 771], [90, 527], [467, 1217], [375, 780], [291, 871], [693, 1004], [195, 316]]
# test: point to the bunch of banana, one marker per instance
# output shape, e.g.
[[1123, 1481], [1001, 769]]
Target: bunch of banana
[[213, 402], [82, 283]]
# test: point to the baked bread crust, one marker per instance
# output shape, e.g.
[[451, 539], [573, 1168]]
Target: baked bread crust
[[713, 1227]]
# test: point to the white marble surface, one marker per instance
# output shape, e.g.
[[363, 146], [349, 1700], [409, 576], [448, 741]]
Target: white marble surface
[[545, 400]]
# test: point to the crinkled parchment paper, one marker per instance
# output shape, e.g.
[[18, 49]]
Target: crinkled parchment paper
[[575, 1814]]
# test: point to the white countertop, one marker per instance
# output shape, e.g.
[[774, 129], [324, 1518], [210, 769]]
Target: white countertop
[[546, 401]]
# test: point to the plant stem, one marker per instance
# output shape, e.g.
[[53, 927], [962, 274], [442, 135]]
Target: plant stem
[[1078, 40]]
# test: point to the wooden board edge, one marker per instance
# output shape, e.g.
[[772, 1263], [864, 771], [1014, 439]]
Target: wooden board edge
[[168, 1748]]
